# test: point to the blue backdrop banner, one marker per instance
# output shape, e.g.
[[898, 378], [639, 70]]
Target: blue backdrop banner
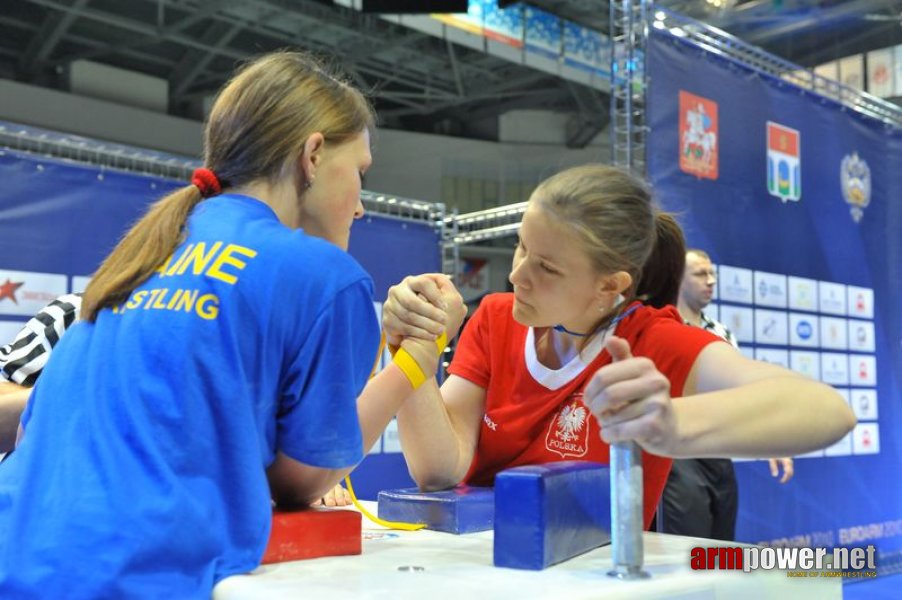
[[797, 200]]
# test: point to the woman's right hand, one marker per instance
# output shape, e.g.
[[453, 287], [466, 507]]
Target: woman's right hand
[[422, 307], [631, 400]]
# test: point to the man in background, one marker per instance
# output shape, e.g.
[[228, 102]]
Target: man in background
[[701, 496]]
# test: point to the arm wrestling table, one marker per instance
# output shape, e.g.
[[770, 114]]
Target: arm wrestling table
[[432, 565]]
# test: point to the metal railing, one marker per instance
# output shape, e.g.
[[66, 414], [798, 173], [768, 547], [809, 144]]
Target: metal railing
[[121, 157], [489, 224], [107, 155], [721, 43]]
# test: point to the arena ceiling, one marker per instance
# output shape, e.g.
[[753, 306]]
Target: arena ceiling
[[420, 82]]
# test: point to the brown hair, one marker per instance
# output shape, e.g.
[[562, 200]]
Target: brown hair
[[256, 130], [617, 223]]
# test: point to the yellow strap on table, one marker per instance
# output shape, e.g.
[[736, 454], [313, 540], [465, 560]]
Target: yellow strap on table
[[388, 524]]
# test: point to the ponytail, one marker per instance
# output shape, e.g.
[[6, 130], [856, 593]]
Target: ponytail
[[659, 284], [144, 248]]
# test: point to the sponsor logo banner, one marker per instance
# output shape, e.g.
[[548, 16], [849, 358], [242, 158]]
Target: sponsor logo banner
[[832, 298], [864, 403], [734, 284], [863, 370], [803, 330], [834, 368], [770, 327], [770, 289], [803, 294], [861, 336], [861, 302], [740, 320], [866, 439], [25, 293], [806, 363], [833, 333]]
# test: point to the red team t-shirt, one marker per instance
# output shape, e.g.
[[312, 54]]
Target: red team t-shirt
[[535, 415]]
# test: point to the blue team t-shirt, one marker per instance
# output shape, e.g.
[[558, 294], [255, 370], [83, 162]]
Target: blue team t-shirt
[[142, 469]]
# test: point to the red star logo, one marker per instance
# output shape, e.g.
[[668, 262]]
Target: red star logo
[[8, 290]]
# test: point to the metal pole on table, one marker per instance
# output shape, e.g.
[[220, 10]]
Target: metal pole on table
[[629, 29], [626, 511]]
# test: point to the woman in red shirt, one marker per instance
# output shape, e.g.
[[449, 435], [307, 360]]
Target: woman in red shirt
[[586, 351]]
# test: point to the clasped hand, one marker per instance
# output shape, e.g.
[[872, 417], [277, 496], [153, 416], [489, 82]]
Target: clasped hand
[[416, 313]]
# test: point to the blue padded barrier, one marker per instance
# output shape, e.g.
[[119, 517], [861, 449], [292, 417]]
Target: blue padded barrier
[[546, 514], [463, 509]]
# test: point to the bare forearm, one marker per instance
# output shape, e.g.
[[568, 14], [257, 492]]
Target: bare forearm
[[295, 484], [433, 449], [781, 416], [380, 401], [12, 403]]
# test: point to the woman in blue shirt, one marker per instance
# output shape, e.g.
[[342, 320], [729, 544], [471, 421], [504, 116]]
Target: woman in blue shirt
[[220, 361]]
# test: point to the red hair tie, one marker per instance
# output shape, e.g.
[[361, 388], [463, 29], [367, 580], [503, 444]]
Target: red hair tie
[[206, 181]]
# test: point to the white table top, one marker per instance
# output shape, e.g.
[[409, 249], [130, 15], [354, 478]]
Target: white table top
[[430, 565]]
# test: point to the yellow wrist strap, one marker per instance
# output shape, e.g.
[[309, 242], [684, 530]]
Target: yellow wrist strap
[[410, 368], [442, 342], [409, 365]]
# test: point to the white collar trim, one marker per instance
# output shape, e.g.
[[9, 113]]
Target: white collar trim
[[554, 379]]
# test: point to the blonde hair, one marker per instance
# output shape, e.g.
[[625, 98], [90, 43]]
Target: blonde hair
[[617, 224], [700, 253], [256, 128]]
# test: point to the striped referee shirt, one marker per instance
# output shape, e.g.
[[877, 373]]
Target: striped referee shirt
[[23, 359], [718, 329]]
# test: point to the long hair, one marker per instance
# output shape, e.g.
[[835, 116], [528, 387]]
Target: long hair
[[256, 131], [618, 225]]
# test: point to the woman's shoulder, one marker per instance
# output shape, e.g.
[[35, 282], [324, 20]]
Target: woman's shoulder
[[299, 268], [660, 328], [646, 321], [638, 313], [297, 254]]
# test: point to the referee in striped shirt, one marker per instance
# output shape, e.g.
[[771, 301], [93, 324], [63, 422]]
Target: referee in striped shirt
[[23, 359]]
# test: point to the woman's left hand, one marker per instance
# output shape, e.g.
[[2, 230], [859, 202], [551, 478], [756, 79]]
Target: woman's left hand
[[631, 400], [337, 496], [788, 468]]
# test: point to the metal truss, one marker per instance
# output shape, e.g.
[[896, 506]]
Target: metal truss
[[629, 35]]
